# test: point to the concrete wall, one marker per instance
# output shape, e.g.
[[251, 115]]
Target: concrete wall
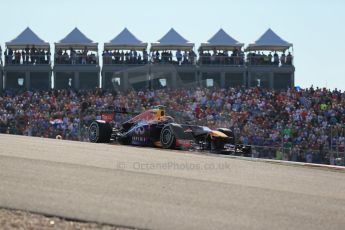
[[123, 77], [33, 77]]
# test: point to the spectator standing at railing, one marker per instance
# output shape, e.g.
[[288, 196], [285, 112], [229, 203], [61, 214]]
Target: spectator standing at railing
[[275, 58], [145, 56], [48, 55], [122, 57], [23, 56], [113, 56], [26, 55], [266, 59], [65, 58], [38, 56], [283, 59], [6, 56], [135, 55], [10, 56], [33, 54], [213, 57], [73, 55], [84, 56], [270, 58], [104, 57], [202, 56], [250, 58], [126, 57], [42, 57], [59, 56], [192, 56], [157, 57], [93, 59], [0, 55], [140, 61], [289, 59], [170, 55], [17, 56], [179, 57]]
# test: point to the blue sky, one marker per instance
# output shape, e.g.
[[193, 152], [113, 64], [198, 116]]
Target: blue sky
[[316, 28]]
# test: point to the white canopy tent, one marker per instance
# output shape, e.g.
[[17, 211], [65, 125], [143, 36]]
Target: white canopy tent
[[269, 41], [172, 41], [221, 41], [76, 40], [125, 40], [27, 38]]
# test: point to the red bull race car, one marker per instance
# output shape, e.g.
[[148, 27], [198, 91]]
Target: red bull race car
[[155, 129]]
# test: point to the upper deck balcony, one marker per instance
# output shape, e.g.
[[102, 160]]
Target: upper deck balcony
[[27, 61]]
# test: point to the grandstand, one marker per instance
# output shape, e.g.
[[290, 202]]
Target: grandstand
[[129, 63]]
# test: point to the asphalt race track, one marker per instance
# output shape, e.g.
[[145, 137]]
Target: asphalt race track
[[157, 189]]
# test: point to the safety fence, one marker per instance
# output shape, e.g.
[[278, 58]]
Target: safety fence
[[70, 126], [316, 156], [332, 153]]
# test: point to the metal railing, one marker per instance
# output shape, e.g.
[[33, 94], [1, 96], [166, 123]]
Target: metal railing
[[125, 60], [76, 59], [167, 58], [117, 58], [221, 59], [27, 59], [75, 127], [141, 59], [266, 60]]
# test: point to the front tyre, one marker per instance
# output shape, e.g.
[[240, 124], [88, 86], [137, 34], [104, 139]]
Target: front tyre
[[167, 138], [229, 133], [100, 132]]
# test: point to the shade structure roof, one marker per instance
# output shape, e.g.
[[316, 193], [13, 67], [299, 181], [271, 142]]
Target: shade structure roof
[[125, 40], [27, 38], [76, 40], [269, 41], [172, 41], [221, 41]]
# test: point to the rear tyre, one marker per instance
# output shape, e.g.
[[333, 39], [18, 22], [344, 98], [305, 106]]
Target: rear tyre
[[167, 138], [100, 132], [125, 140]]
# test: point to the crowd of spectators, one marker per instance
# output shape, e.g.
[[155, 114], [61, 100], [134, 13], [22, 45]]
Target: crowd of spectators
[[75, 57], [137, 57], [221, 57], [84, 56], [125, 57], [179, 57], [27, 56], [294, 124], [269, 59]]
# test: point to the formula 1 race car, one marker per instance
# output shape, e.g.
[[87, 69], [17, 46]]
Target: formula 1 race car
[[154, 128]]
